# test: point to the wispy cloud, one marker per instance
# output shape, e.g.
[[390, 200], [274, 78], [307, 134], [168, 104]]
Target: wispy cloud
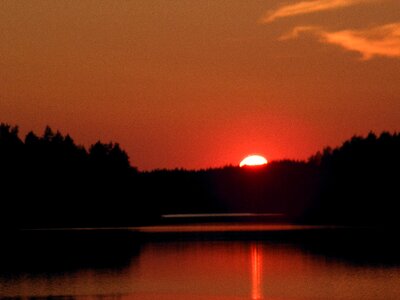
[[377, 41], [307, 7], [298, 30]]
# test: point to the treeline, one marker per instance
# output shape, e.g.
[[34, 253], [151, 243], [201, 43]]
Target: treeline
[[281, 187], [49, 181], [359, 182]]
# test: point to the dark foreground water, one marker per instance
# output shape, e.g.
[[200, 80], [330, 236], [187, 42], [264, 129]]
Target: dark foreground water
[[222, 261]]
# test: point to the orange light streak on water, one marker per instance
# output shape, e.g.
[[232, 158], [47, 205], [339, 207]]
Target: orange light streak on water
[[256, 261]]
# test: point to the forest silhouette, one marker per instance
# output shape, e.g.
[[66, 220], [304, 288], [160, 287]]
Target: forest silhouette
[[49, 181]]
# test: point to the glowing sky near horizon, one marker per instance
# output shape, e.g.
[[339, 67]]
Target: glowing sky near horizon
[[199, 84]]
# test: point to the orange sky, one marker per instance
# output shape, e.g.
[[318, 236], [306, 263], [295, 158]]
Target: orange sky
[[200, 84]]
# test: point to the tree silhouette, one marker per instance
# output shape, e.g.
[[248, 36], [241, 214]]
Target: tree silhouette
[[49, 181]]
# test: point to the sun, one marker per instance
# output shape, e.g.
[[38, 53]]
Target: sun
[[253, 160]]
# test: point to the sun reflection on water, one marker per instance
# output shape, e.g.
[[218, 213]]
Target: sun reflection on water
[[256, 261]]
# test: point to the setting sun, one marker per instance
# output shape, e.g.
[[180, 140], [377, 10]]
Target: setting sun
[[253, 160]]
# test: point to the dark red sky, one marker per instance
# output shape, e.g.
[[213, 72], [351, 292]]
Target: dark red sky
[[200, 84]]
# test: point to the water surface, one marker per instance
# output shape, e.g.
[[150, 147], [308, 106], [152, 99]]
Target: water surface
[[214, 261]]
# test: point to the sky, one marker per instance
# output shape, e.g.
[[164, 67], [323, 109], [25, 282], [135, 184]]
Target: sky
[[197, 84]]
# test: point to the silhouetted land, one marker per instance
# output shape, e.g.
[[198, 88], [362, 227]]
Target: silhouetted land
[[49, 181]]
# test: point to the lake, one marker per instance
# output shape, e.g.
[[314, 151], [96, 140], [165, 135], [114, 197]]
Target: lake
[[202, 261]]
